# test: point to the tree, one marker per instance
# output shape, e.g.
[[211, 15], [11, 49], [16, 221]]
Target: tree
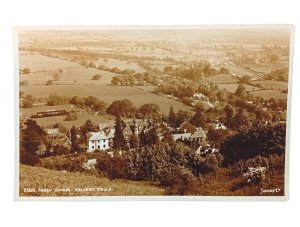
[[119, 140], [49, 82], [88, 126], [74, 139], [230, 113], [34, 137], [27, 103], [97, 77], [249, 143], [56, 76], [92, 65], [26, 70], [224, 70], [241, 118], [240, 91], [123, 108], [71, 116], [199, 119], [149, 110], [246, 79], [134, 141], [172, 116]]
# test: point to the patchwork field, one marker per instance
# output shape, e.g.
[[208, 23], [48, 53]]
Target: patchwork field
[[107, 94], [40, 178]]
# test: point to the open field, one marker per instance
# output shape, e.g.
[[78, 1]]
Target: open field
[[267, 94], [232, 87], [40, 178], [78, 75], [239, 71], [271, 84], [222, 79], [47, 122], [111, 63], [107, 94], [266, 68], [38, 62]]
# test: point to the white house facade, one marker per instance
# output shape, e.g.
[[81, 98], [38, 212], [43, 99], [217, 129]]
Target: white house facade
[[101, 140]]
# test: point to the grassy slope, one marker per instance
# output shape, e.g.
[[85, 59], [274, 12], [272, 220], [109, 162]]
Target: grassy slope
[[222, 184], [36, 177]]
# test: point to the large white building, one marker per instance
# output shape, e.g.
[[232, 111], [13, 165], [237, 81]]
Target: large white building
[[101, 140]]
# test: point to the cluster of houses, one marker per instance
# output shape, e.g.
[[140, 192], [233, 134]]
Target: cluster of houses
[[103, 139]]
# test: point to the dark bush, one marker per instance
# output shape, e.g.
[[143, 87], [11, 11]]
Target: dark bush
[[261, 140], [27, 158]]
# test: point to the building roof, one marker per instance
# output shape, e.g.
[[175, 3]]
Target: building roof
[[187, 127], [52, 131], [102, 135], [199, 133]]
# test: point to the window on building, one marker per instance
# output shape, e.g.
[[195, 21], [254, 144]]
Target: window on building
[[98, 146], [93, 147], [104, 146]]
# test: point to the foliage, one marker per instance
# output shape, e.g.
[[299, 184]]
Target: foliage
[[118, 140], [248, 143], [199, 119], [280, 74], [54, 100], [124, 108], [89, 102], [178, 180], [33, 136], [97, 77], [72, 116]]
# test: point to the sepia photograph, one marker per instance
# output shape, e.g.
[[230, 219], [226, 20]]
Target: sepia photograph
[[153, 111]]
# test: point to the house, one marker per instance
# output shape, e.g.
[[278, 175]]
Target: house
[[52, 132], [89, 164], [219, 125], [61, 140], [101, 140], [189, 132], [187, 127]]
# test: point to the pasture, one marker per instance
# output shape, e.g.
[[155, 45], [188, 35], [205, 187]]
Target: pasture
[[266, 67], [222, 79], [239, 71], [37, 62], [107, 94], [37, 177], [111, 63], [271, 84], [78, 75], [82, 116], [232, 87], [267, 94]]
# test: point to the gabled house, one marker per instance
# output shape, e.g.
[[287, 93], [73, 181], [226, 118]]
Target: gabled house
[[187, 127], [101, 140]]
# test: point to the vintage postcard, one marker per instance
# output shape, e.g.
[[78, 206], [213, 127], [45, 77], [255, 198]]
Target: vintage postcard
[[153, 112]]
